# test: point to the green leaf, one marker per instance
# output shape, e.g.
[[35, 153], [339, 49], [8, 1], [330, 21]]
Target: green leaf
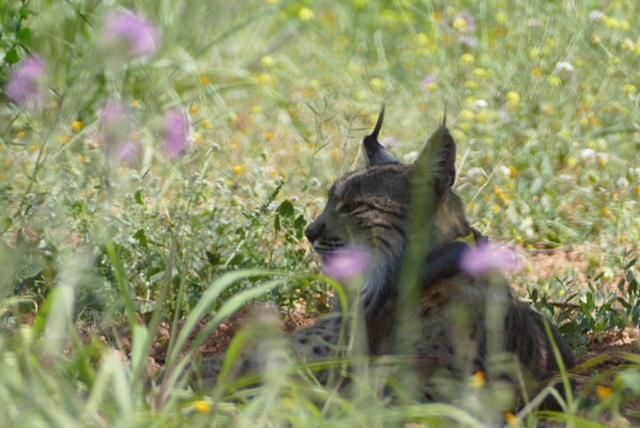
[[141, 237], [12, 56], [24, 12], [299, 225], [138, 197], [25, 34], [276, 223], [286, 209]]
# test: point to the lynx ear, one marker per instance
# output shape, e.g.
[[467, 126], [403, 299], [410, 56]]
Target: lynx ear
[[439, 157], [375, 152]]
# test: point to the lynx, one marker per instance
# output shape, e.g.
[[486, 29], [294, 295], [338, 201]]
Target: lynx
[[371, 208]]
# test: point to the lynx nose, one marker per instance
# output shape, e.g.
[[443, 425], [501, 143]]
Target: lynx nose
[[314, 230]]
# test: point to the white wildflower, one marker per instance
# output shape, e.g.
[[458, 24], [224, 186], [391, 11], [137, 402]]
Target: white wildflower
[[596, 15], [622, 183], [564, 66], [588, 154]]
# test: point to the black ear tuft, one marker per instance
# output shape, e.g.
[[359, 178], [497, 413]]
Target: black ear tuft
[[375, 152]]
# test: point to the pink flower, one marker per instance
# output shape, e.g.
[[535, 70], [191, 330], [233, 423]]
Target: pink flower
[[429, 82], [469, 42], [126, 152], [346, 263], [26, 85], [115, 130], [140, 36], [489, 258], [177, 133]]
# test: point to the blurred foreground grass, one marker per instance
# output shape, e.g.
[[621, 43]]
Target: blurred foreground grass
[[542, 98]]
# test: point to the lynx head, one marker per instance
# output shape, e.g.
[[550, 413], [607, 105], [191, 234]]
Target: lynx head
[[369, 208]]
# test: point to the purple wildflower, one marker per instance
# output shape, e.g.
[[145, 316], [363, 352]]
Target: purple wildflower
[[429, 82], [126, 152], [115, 131], [177, 134], [489, 258], [346, 263], [116, 122], [26, 85], [468, 41], [140, 36]]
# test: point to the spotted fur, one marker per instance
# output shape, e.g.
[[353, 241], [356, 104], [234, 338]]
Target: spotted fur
[[371, 208]]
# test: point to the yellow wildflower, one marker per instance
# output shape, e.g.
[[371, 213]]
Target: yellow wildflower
[[604, 392], [534, 53], [422, 39], [195, 109], [554, 80], [20, 135], [479, 378], [376, 84], [206, 124], [269, 135], [594, 121], [611, 23], [460, 24], [467, 59], [638, 189], [205, 80], [484, 116], [267, 61], [595, 39], [264, 79], [203, 407], [481, 73], [305, 14], [512, 420], [624, 25], [467, 115], [501, 18], [513, 99], [628, 44], [471, 84], [136, 104], [537, 72], [630, 90], [198, 138], [239, 170], [77, 125], [548, 109]]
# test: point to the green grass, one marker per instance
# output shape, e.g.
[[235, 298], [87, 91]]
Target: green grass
[[280, 93]]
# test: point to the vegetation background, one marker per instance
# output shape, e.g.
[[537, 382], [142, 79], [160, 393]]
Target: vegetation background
[[235, 118]]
